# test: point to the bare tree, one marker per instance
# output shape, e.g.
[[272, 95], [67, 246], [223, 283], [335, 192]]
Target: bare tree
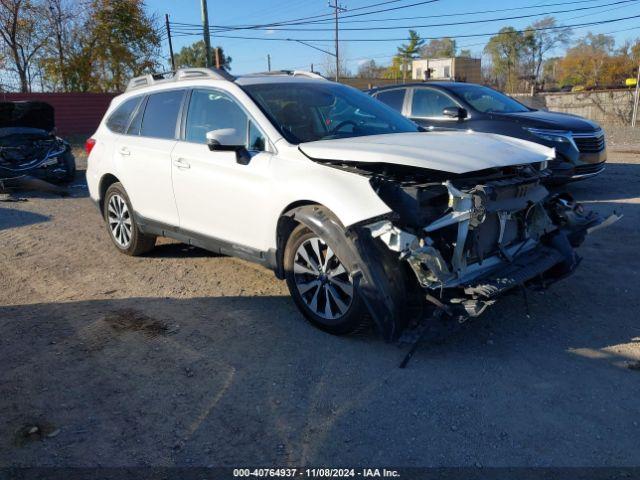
[[541, 37], [60, 15], [329, 65], [23, 36]]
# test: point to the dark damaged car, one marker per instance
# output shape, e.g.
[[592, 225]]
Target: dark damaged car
[[365, 217], [29, 145]]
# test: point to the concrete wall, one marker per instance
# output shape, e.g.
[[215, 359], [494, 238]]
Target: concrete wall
[[613, 107], [76, 113]]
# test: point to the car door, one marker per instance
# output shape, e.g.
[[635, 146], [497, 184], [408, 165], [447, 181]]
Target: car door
[[425, 106], [218, 197], [145, 156]]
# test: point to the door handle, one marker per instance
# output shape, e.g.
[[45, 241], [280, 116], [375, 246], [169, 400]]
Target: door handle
[[182, 164], [125, 151]]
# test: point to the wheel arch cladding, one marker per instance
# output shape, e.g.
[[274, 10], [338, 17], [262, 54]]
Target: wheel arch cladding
[[105, 182], [375, 272]]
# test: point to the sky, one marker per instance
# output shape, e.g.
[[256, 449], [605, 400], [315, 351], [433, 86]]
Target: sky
[[250, 55]]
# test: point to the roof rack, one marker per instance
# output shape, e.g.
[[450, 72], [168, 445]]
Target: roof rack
[[292, 73], [178, 75]]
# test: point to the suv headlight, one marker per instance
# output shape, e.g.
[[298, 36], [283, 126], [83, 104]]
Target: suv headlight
[[556, 136]]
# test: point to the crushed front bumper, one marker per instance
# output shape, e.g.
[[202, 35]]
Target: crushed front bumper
[[463, 285]]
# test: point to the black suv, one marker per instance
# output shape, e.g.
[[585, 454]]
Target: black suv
[[579, 143]]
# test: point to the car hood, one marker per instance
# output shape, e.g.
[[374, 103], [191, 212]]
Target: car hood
[[551, 120], [27, 114], [454, 152]]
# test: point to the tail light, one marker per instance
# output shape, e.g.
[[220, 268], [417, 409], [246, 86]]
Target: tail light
[[89, 144]]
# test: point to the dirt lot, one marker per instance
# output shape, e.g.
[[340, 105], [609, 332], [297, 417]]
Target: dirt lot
[[186, 358]]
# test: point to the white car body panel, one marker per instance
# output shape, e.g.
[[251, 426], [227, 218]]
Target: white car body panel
[[145, 170], [453, 152]]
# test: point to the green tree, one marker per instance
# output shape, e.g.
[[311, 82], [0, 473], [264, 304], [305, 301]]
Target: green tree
[[505, 51], [439, 48], [465, 52], [407, 52], [194, 55], [125, 41]]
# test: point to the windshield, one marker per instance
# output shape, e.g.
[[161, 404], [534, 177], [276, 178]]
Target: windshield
[[305, 112], [488, 100]]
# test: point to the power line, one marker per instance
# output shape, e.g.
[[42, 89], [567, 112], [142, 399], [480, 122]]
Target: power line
[[459, 14], [284, 23], [380, 56], [465, 22], [601, 22]]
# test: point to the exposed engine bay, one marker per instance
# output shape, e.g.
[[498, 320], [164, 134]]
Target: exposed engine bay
[[468, 238], [29, 146]]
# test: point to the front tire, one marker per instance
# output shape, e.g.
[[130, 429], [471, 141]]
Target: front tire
[[121, 223], [321, 286]]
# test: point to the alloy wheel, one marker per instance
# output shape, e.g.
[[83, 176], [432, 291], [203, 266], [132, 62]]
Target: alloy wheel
[[322, 280], [119, 220]]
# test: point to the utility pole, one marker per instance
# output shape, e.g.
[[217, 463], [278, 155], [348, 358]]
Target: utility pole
[[218, 62], [636, 100], [268, 62], [336, 10], [173, 63], [205, 32]]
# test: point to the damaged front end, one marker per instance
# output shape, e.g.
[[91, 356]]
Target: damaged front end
[[28, 145], [470, 238]]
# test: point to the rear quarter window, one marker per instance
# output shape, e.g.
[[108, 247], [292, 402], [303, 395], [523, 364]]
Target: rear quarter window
[[161, 114], [119, 119]]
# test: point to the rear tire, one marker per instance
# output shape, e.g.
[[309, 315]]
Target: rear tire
[[121, 223], [321, 286]]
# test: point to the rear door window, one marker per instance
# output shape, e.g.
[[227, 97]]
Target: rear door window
[[161, 114], [119, 119], [394, 98]]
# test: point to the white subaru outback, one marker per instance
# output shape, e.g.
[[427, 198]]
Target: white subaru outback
[[366, 216]]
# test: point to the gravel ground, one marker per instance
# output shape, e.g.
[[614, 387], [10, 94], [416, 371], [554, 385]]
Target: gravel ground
[[187, 358]]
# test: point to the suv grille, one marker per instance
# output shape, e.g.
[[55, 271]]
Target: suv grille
[[589, 142]]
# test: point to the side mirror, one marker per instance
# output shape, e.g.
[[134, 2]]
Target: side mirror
[[454, 112], [228, 140]]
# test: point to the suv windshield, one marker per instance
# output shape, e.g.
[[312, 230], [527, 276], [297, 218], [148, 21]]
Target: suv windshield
[[305, 112], [488, 100]]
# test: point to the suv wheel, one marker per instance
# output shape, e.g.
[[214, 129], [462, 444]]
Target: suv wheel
[[121, 223], [320, 284]]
